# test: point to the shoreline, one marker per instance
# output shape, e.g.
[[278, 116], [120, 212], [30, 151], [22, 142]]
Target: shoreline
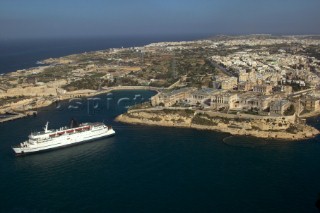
[[45, 103], [307, 132]]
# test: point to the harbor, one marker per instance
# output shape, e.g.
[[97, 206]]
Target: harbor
[[143, 164]]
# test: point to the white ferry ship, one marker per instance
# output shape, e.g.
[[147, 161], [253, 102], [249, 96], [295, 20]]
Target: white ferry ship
[[65, 136]]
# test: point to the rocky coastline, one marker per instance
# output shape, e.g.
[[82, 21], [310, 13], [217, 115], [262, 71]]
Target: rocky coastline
[[282, 128], [25, 106]]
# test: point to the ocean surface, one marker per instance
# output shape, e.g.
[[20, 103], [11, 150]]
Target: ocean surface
[[154, 169], [24, 53]]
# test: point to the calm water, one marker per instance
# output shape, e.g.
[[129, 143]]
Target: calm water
[[21, 54], [152, 169]]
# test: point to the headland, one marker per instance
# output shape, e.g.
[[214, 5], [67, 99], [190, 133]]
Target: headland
[[259, 85]]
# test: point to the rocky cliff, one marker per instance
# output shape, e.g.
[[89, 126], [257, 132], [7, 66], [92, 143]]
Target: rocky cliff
[[273, 127]]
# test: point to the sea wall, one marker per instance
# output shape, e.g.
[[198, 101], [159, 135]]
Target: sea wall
[[282, 127]]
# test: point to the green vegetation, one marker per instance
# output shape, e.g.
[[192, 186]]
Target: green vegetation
[[53, 72], [184, 113], [144, 105], [161, 83], [132, 116], [203, 120], [313, 51], [85, 83], [126, 81], [292, 129], [156, 119], [180, 120], [290, 111], [8, 100]]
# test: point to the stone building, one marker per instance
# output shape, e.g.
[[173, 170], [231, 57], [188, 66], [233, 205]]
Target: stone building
[[311, 103], [224, 100], [229, 84], [245, 86], [243, 76], [263, 89], [169, 98], [249, 101], [279, 107], [199, 96], [283, 89]]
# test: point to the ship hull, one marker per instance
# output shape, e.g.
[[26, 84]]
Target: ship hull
[[62, 142]]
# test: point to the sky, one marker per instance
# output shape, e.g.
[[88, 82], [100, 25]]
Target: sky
[[88, 18]]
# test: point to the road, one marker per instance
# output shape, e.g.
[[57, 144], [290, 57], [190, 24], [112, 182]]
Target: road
[[224, 70]]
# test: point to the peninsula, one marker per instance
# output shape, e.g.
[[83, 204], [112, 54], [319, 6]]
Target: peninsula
[[259, 85]]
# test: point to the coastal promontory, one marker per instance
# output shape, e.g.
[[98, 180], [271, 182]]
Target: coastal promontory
[[259, 85], [268, 127]]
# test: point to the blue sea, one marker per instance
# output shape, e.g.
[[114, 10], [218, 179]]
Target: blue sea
[[18, 54], [153, 169]]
